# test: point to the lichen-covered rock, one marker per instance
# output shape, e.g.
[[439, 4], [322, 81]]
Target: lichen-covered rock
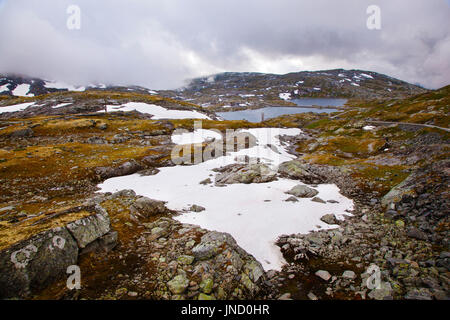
[[37, 262], [210, 245], [91, 228], [221, 269], [299, 170], [104, 244], [185, 259], [253, 173], [197, 208], [149, 207], [330, 219], [207, 285], [124, 169], [203, 296], [178, 284], [254, 270], [398, 192], [302, 191], [22, 133]]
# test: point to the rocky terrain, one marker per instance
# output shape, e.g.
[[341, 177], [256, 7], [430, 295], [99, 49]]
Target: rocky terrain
[[256, 90], [389, 156], [23, 86]]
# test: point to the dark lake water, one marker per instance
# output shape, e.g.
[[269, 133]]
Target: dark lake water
[[273, 112], [322, 102], [269, 113]]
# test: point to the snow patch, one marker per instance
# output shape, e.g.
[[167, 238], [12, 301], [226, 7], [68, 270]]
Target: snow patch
[[4, 87], [254, 214], [61, 105], [366, 75], [285, 96], [198, 136], [22, 91], [157, 111], [62, 85], [16, 107]]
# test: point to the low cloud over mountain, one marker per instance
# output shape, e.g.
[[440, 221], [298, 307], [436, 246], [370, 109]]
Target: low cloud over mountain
[[160, 44]]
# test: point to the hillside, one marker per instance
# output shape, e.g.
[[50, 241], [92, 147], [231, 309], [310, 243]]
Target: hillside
[[389, 158], [23, 86], [258, 89]]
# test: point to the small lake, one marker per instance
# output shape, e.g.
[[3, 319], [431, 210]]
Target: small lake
[[269, 113], [321, 102], [255, 115]]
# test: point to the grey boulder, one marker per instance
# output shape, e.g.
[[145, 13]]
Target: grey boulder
[[303, 191]]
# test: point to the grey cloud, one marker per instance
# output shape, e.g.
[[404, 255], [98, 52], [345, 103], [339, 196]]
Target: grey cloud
[[161, 43]]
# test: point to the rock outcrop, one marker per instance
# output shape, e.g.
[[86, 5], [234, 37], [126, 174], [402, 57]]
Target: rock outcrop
[[212, 266], [303, 191], [299, 170], [37, 262], [149, 207], [237, 173], [124, 169], [31, 265]]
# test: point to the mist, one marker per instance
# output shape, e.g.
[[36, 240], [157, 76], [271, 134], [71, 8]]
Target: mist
[[160, 44]]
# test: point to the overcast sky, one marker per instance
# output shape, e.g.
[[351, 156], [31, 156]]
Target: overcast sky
[[161, 43]]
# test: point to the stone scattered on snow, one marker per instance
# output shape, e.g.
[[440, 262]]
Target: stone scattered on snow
[[124, 169], [254, 173], [196, 208], [149, 207], [291, 199], [330, 219], [319, 200], [298, 170], [303, 191]]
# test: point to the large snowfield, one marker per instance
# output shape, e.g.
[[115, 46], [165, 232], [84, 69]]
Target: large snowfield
[[254, 214], [157, 111]]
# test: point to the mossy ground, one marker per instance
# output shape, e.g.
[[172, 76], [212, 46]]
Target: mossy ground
[[54, 170], [55, 167]]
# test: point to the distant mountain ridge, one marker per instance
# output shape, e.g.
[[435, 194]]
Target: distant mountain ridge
[[337, 83], [23, 86], [244, 90]]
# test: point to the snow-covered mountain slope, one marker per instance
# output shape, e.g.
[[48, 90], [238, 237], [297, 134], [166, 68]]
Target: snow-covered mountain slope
[[23, 86], [256, 89]]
